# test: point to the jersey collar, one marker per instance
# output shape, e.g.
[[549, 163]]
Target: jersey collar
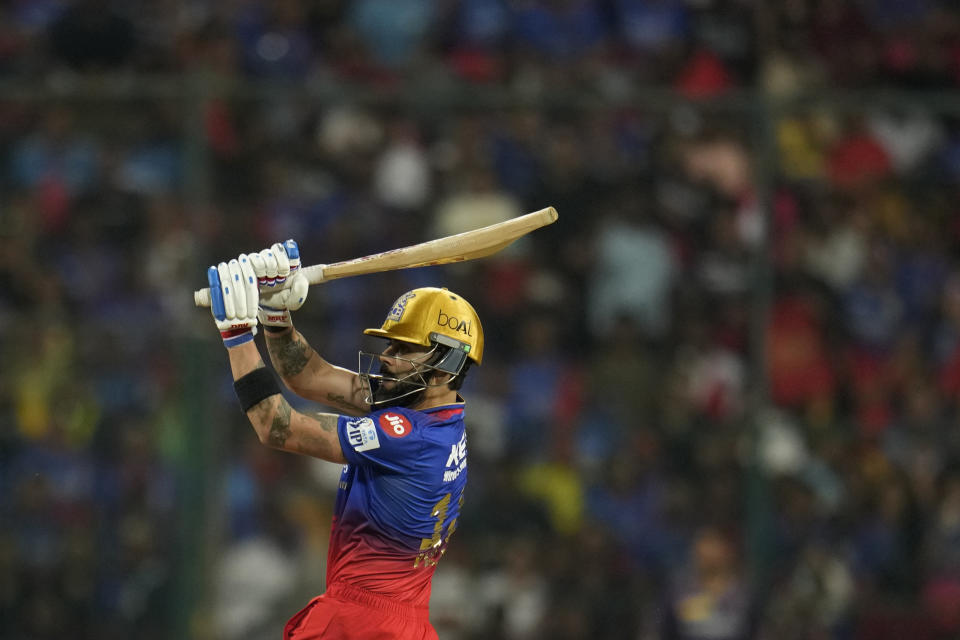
[[446, 411]]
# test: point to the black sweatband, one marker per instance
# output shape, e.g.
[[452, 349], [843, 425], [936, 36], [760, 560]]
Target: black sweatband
[[271, 329], [254, 387]]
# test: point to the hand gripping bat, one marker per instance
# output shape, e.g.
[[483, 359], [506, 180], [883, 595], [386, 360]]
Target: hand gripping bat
[[461, 247]]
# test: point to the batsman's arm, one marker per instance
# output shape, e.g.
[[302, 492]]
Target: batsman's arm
[[278, 425], [310, 376]]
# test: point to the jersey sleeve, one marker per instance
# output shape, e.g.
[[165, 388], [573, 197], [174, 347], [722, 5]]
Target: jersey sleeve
[[389, 439]]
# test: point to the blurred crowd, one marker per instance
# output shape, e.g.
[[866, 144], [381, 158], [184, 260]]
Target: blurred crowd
[[697, 46], [720, 396]]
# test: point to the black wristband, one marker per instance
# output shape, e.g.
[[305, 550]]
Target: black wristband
[[254, 387], [271, 329]]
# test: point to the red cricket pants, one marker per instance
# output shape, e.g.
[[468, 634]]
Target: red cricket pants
[[345, 612]]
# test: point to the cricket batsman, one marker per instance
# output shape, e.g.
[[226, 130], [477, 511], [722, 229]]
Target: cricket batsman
[[400, 436]]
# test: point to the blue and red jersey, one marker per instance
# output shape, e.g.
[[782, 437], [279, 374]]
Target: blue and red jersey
[[398, 500]]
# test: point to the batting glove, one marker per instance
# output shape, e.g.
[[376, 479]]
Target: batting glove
[[234, 298], [283, 288]]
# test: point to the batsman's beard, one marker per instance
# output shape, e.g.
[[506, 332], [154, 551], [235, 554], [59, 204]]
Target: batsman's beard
[[384, 389], [387, 391]]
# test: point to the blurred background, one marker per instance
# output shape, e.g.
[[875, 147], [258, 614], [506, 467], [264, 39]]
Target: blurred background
[[720, 395]]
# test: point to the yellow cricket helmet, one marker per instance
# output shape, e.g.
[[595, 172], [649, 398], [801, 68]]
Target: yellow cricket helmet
[[432, 315]]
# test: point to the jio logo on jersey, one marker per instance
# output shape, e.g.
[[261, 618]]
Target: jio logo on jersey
[[394, 424]]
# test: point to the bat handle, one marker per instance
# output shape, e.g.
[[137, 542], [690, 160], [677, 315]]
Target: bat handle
[[201, 297], [314, 273]]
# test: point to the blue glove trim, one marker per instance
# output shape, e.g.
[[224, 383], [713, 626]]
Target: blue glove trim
[[236, 341], [216, 295], [293, 251]]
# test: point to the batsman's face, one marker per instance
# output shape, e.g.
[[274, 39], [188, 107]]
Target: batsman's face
[[401, 374], [400, 359]]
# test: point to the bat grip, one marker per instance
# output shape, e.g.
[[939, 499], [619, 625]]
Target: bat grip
[[314, 274], [201, 297]]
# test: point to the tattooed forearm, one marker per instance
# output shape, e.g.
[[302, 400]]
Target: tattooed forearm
[[289, 353], [343, 402], [280, 427], [261, 412], [355, 402], [276, 414], [327, 422]]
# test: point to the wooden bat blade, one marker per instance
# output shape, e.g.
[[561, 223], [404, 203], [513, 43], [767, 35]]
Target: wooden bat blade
[[461, 247]]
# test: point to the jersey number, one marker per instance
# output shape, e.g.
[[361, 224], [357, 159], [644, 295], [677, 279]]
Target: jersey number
[[433, 547]]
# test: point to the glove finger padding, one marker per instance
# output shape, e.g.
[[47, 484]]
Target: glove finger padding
[[234, 297], [216, 295], [273, 266], [293, 254], [283, 262], [282, 286], [269, 277], [291, 298], [249, 278], [238, 290], [228, 304], [259, 266], [297, 291]]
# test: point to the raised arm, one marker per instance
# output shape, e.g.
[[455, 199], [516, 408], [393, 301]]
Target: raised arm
[[234, 303], [277, 424], [302, 370], [310, 376]]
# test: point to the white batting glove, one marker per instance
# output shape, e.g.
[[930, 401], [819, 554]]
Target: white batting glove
[[234, 298], [283, 288]]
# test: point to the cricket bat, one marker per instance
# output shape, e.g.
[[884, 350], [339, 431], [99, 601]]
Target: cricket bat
[[461, 247]]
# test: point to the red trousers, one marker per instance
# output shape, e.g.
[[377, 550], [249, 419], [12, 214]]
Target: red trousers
[[349, 613]]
